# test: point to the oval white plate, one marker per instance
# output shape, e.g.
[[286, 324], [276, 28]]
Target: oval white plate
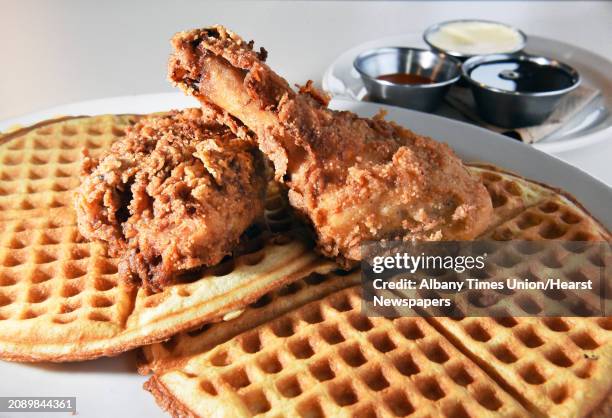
[[111, 387], [592, 125]]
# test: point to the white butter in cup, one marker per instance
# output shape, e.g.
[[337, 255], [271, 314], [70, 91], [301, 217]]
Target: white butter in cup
[[474, 37]]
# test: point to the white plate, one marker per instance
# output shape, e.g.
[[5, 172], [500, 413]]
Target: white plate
[[591, 125], [110, 387]]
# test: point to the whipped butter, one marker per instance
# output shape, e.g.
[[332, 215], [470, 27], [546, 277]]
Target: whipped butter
[[476, 38]]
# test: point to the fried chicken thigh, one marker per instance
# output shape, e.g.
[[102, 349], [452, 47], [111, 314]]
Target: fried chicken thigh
[[175, 193], [355, 179]]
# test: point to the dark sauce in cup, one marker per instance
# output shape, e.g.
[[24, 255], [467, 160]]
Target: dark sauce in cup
[[522, 76]]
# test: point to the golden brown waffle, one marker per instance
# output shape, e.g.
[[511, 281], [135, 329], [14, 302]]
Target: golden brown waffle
[[513, 355], [572, 262], [288, 297], [326, 359], [526, 210], [558, 367], [61, 297]]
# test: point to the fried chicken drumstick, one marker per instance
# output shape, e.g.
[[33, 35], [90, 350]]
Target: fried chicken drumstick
[[175, 193], [355, 179]]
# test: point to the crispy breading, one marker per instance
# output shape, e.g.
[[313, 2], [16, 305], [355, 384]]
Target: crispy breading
[[355, 179], [174, 194]]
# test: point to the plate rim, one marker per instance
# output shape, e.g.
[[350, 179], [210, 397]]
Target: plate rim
[[90, 107]]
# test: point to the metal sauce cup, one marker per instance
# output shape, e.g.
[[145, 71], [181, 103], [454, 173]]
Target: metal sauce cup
[[464, 56], [442, 69], [514, 109]]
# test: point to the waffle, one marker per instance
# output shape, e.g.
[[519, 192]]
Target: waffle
[[509, 261], [61, 297], [559, 367], [556, 366], [181, 346], [528, 211], [325, 359]]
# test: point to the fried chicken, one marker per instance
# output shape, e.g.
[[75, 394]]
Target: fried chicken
[[355, 179], [174, 194]]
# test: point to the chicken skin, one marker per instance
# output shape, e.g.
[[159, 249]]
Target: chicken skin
[[354, 179], [175, 193]]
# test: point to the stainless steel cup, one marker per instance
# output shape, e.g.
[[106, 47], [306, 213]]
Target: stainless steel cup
[[463, 56], [515, 109], [442, 69]]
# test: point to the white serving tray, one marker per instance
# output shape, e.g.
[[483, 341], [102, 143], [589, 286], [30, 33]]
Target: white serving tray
[[591, 125]]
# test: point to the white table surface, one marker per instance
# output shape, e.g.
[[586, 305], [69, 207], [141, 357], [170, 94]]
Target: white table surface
[[63, 51]]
